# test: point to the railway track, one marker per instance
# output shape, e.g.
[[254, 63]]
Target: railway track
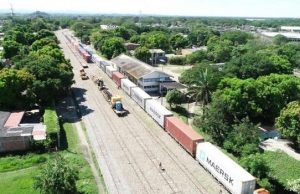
[[147, 184]]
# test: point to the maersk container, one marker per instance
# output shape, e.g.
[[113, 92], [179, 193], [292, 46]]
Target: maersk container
[[236, 179], [183, 134], [157, 112], [117, 77], [109, 70], [140, 96], [126, 85]]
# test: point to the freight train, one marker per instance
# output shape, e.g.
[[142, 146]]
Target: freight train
[[234, 178]]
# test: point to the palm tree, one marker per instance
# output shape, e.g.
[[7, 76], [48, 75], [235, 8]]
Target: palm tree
[[200, 91]]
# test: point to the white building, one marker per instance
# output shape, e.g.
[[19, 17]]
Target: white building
[[140, 73], [290, 28], [292, 36]]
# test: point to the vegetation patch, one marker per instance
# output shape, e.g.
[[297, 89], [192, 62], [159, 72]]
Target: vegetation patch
[[51, 120], [283, 168], [11, 163]]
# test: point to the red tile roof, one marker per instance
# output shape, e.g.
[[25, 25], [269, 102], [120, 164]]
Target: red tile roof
[[14, 119]]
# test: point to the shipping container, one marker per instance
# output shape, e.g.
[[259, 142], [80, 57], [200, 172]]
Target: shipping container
[[126, 85], [140, 96], [236, 179], [183, 133], [157, 112], [109, 70], [117, 77], [103, 65]]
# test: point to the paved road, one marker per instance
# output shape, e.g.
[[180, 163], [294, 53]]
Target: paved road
[[129, 149]]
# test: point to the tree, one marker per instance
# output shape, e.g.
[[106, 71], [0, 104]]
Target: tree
[[243, 139], [261, 100], [175, 97], [288, 122], [294, 185], [58, 176], [237, 37], [255, 64], [53, 78], [16, 88], [124, 33], [178, 41], [200, 36], [39, 44], [196, 57], [280, 39], [11, 48], [201, 90], [155, 39], [112, 47], [256, 165], [219, 50], [44, 33], [142, 53]]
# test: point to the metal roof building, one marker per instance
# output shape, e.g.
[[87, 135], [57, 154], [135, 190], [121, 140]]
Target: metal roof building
[[140, 73]]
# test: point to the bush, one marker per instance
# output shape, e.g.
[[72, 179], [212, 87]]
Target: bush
[[177, 60], [52, 123]]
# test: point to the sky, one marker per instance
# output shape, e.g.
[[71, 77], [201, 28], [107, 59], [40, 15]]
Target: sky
[[228, 8]]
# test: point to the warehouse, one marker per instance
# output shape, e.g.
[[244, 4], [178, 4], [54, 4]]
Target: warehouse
[[140, 73]]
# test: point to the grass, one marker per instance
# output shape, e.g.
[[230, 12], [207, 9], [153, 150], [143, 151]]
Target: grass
[[51, 120], [17, 177], [11, 163], [181, 112], [282, 167], [86, 182], [19, 182]]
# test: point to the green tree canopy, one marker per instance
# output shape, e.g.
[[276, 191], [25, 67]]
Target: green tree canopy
[[58, 176], [177, 41], [142, 53], [155, 39], [175, 97], [288, 122], [15, 88], [237, 37], [112, 47]]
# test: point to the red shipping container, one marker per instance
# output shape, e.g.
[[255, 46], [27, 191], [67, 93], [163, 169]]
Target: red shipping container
[[117, 76], [183, 133]]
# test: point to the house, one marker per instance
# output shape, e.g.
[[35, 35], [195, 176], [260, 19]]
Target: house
[[157, 56], [140, 73], [131, 46], [15, 136]]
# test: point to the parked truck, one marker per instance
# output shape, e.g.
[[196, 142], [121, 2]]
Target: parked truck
[[83, 74]]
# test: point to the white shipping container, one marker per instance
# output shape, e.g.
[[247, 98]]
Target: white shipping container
[[103, 65], [139, 96], [126, 85], [157, 112], [109, 70], [236, 179]]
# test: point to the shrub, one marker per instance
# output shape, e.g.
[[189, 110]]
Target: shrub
[[178, 60]]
